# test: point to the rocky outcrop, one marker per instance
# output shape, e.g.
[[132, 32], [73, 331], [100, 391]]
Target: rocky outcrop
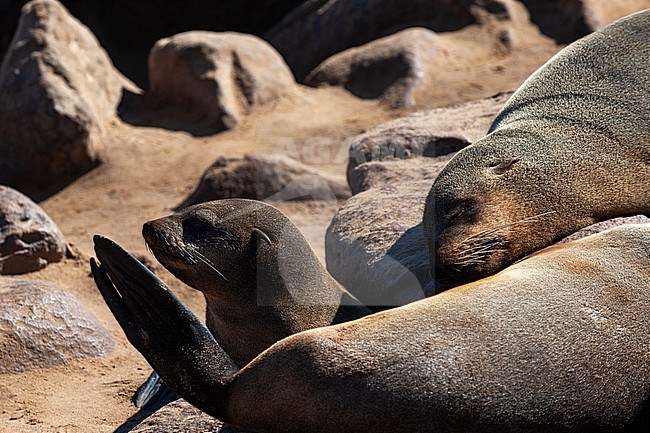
[[266, 177], [320, 28], [432, 133], [221, 77], [59, 90], [375, 246], [29, 239], [41, 325], [180, 416], [391, 69]]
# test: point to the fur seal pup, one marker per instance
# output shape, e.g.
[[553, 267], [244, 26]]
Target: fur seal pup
[[492, 356], [570, 148], [261, 280]]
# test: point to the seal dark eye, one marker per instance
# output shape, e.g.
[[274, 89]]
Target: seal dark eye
[[502, 165], [197, 227], [203, 230], [462, 209]]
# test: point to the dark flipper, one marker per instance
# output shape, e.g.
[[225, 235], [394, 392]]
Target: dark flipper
[[170, 336], [153, 394]]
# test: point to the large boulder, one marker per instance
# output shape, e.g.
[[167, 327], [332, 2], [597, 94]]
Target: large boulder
[[58, 92], [180, 416], [221, 77], [375, 246], [267, 177], [391, 68], [568, 20], [320, 28], [41, 325], [29, 239], [432, 133]]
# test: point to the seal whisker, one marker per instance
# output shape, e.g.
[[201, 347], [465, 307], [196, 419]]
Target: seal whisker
[[208, 263], [504, 226]]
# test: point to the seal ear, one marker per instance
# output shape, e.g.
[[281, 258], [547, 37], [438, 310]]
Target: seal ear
[[261, 235], [504, 165]]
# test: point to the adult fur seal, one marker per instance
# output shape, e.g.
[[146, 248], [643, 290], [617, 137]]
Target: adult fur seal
[[557, 342], [261, 280], [570, 148]]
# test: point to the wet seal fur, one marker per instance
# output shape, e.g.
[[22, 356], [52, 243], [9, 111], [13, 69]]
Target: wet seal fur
[[496, 355], [570, 148]]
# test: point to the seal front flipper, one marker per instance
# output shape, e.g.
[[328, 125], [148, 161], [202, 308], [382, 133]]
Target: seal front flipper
[[170, 336], [153, 394]]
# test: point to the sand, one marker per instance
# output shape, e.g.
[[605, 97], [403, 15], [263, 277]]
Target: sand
[[149, 170]]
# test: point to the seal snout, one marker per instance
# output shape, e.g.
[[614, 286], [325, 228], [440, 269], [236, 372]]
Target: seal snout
[[165, 249]]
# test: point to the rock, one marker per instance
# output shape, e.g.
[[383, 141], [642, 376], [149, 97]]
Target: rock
[[59, 90], [390, 68], [432, 133], [41, 325], [605, 225], [266, 177], [180, 416], [379, 173], [29, 239], [375, 246], [568, 20], [221, 77], [320, 28]]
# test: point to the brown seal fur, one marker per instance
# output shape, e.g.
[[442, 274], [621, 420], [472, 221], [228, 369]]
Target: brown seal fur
[[260, 278], [557, 342], [570, 148]]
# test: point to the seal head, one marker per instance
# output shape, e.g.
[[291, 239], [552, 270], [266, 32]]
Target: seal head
[[570, 148]]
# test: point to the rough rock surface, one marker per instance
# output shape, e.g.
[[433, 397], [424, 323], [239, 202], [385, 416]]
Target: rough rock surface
[[320, 28], [59, 89], [375, 246], [29, 239], [432, 133], [267, 177], [41, 325], [568, 20], [390, 68], [180, 416], [219, 76], [379, 173]]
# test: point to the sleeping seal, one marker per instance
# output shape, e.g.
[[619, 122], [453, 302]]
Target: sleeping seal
[[570, 148]]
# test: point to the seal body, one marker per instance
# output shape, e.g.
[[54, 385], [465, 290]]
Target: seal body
[[555, 343], [570, 148], [261, 280]]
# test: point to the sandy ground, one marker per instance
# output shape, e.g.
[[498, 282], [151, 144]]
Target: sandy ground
[[147, 172]]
